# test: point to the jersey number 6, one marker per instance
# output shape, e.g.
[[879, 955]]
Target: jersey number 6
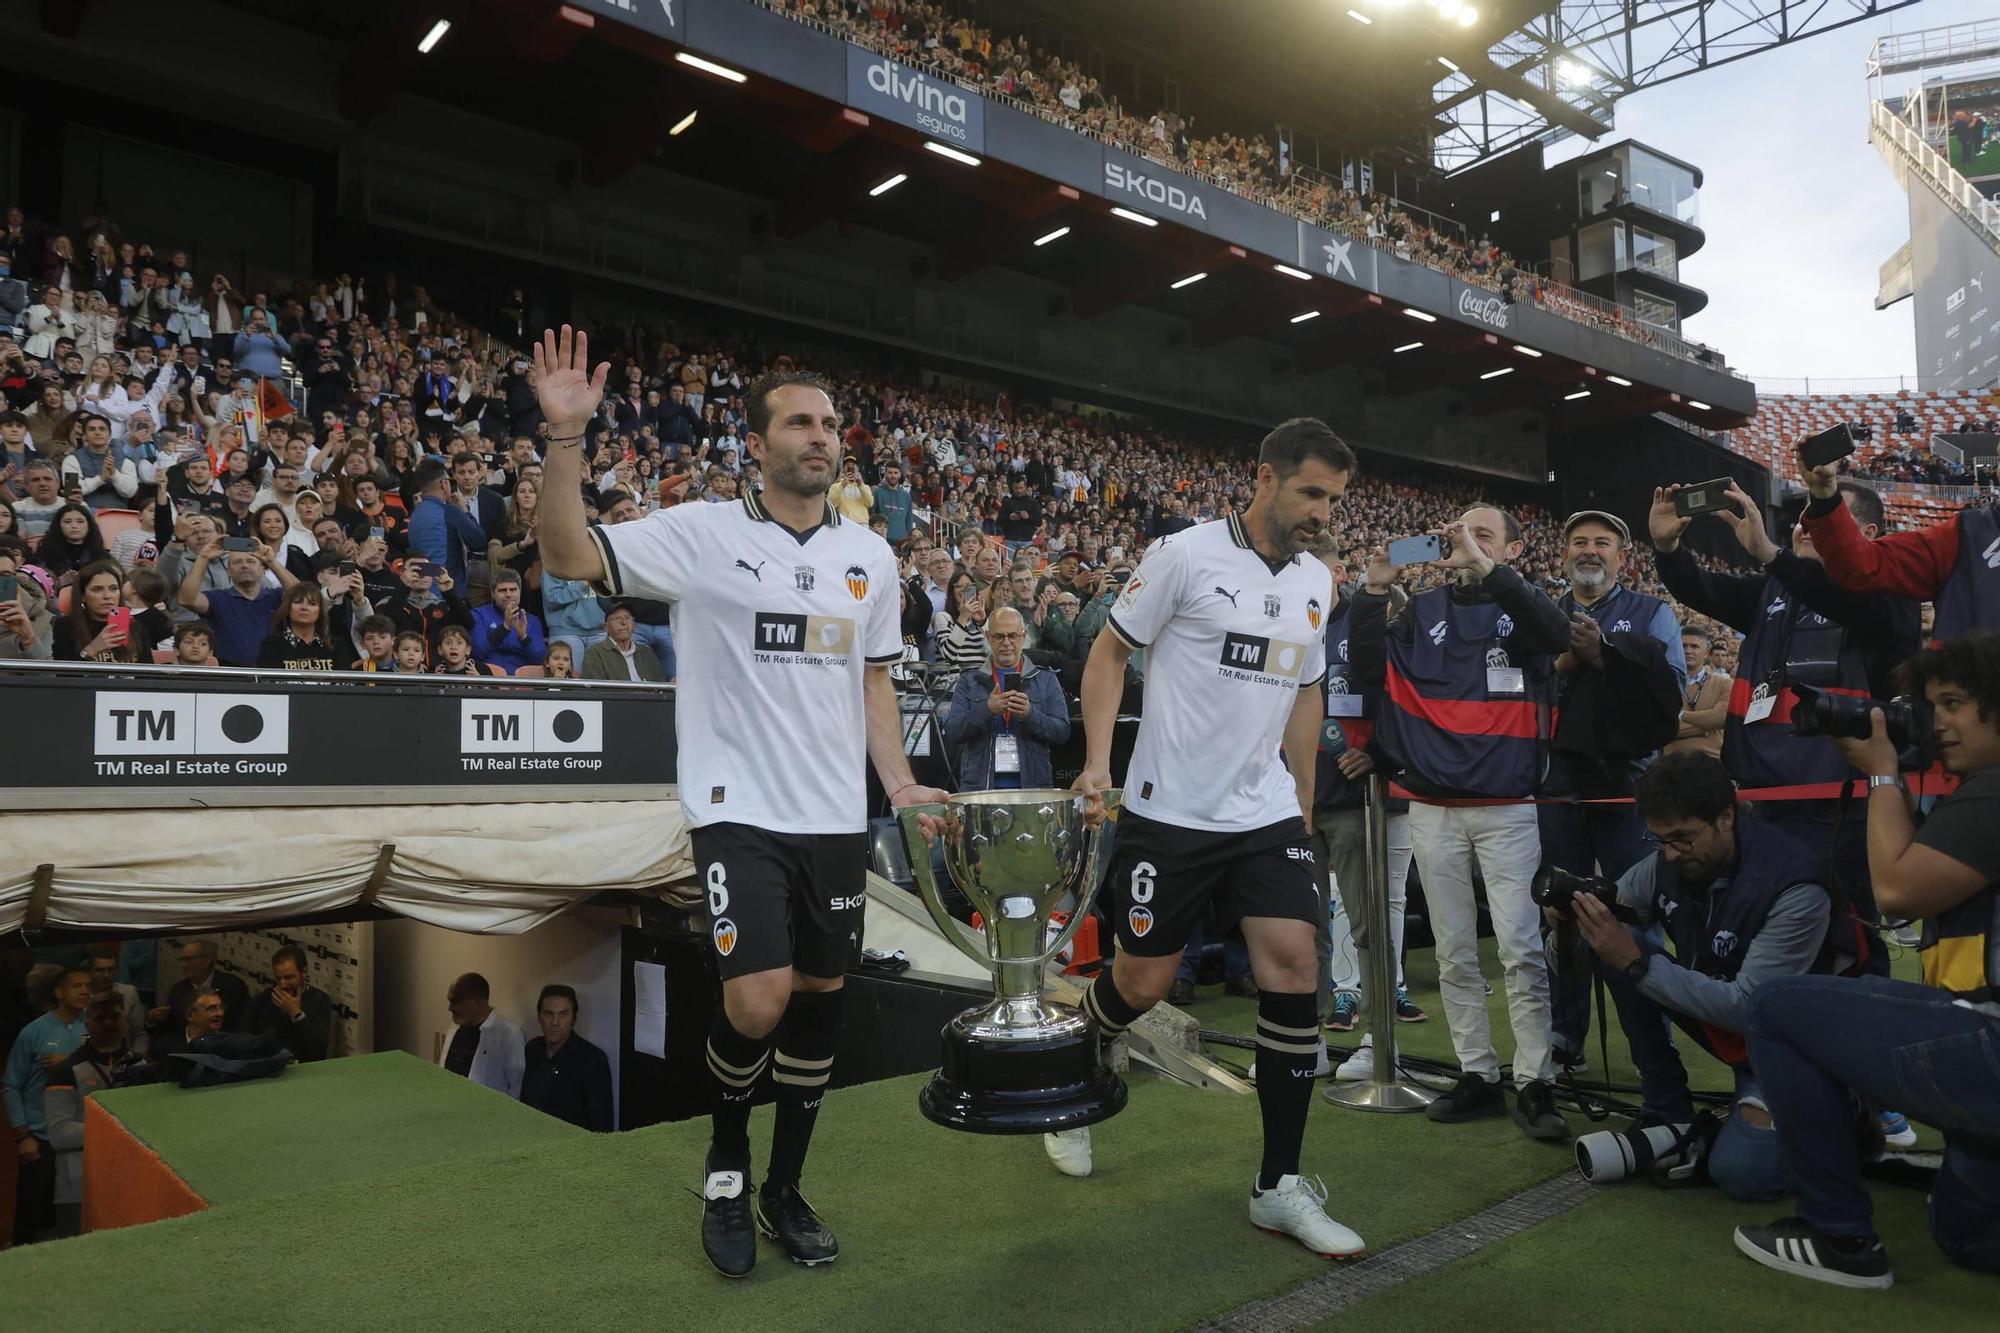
[[1142, 882]]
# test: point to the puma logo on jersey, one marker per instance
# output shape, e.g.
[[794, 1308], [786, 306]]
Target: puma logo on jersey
[[1224, 592], [755, 571]]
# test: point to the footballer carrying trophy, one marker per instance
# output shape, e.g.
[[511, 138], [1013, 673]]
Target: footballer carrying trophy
[[1021, 1064]]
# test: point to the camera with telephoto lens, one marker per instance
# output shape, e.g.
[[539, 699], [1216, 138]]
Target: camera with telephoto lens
[[1672, 1152], [1556, 889], [1907, 719]]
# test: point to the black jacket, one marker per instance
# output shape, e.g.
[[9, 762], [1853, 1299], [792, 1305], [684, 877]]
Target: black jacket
[[235, 1001], [1613, 716], [575, 1086], [309, 1037]]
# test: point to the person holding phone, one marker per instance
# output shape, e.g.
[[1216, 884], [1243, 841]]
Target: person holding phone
[[240, 614], [99, 626], [1004, 718], [25, 632]]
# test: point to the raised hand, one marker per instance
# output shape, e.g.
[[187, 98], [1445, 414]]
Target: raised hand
[[568, 391], [1748, 525], [1663, 522]]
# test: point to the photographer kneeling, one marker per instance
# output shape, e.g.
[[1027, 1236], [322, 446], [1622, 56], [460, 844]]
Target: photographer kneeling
[[1738, 902], [1931, 1049]]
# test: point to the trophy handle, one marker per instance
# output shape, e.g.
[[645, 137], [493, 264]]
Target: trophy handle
[[1086, 893], [919, 853]]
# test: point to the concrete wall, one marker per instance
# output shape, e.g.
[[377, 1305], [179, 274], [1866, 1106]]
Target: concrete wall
[[415, 964]]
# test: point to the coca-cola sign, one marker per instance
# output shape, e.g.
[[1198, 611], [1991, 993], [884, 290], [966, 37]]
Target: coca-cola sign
[[1485, 309]]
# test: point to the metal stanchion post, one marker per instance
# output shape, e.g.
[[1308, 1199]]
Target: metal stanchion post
[[1385, 1090]]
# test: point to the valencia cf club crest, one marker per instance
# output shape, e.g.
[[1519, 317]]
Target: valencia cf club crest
[[857, 581], [1140, 919], [1272, 606], [1312, 612], [724, 934], [803, 576]]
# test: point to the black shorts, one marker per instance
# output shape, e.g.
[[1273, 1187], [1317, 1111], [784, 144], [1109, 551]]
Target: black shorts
[[1163, 878], [782, 899]]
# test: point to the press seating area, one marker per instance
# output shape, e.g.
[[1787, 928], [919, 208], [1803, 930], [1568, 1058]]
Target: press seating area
[[1783, 418]]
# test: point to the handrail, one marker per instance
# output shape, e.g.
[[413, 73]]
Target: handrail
[[1888, 129]]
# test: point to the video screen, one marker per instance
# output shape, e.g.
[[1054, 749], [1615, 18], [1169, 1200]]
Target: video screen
[[1972, 121]]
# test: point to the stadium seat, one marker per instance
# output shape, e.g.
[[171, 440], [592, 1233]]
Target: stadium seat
[[163, 656], [115, 523], [532, 670]]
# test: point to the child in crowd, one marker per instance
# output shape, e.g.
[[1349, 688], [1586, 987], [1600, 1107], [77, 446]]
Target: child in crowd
[[410, 652]]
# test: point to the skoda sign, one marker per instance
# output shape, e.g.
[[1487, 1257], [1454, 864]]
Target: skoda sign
[[1489, 310], [909, 96], [1134, 184]]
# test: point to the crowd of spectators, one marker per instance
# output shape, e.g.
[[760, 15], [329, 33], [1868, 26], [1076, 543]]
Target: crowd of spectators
[[160, 502], [959, 48]]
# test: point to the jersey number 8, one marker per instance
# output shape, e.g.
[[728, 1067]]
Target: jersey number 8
[[718, 890], [1142, 882]]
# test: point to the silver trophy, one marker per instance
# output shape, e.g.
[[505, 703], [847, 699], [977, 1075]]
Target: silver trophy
[[1022, 1064]]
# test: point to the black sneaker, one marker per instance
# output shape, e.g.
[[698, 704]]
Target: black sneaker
[[1181, 992], [728, 1236], [1471, 1098], [784, 1215], [1793, 1246], [1535, 1112]]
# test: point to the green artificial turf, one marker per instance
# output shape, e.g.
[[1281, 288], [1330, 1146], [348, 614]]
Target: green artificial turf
[[372, 1115], [1637, 1259], [940, 1230]]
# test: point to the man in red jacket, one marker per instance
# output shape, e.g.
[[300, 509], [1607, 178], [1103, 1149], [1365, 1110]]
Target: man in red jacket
[[1951, 563]]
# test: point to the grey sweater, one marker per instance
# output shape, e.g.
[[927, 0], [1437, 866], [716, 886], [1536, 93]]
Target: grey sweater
[[1784, 947]]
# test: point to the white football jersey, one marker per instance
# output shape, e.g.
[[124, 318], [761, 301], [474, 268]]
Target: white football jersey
[[1230, 641], [772, 629]]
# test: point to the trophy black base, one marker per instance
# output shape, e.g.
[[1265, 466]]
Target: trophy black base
[[1034, 1085]]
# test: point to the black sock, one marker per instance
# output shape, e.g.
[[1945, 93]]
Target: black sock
[[801, 1066], [1107, 1008], [735, 1063], [1287, 1051]]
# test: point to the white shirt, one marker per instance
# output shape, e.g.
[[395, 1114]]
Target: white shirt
[[1229, 643], [502, 1056], [773, 630]]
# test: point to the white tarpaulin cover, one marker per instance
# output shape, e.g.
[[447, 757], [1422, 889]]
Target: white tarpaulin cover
[[509, 868], [505, 868]]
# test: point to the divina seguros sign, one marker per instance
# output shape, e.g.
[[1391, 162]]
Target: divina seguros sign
[[908, 96]]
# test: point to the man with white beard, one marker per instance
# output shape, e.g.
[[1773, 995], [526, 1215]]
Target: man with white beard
[[1595, 839]]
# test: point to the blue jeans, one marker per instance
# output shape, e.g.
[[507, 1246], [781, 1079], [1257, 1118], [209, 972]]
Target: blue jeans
[[660, 638], [1897, 1044], [1745, 1161], [1602, 840]]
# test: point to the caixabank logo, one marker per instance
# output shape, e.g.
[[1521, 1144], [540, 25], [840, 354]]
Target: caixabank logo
[[503, 736], [191, 735]]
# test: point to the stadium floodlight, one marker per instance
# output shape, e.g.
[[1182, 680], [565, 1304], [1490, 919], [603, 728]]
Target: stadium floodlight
[[1423, 315], [1130, 216], [888, 185], [710, 67], [1699, 405], [1496, 374], [1467, 17], [1055, 235], [1305, 315], [434, 36], [1526, 351], [1189, 281], [1619, 380], [1571, 72], [680, 126], [946, 150], [1448, 9], [1446, 62], [1291, 272], [1409, 347], [1572, 397], [1360, 18]]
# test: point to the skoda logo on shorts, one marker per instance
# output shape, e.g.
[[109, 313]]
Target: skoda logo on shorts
[[724, 934], [1140, 919]]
